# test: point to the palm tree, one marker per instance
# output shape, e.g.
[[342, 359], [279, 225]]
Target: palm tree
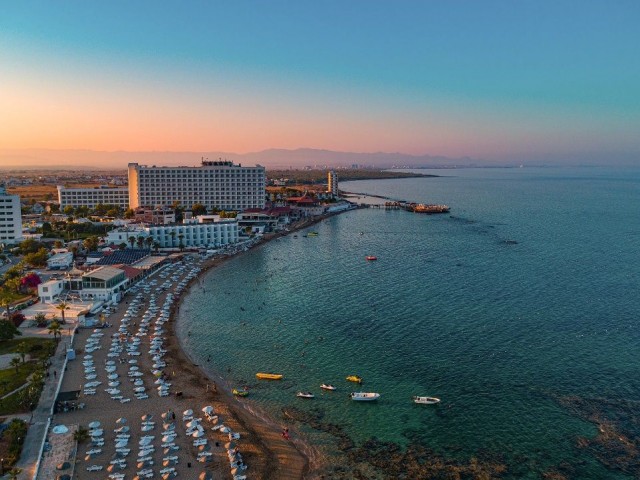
[[180, 237], [6, 301], [173, 237], [81, 434], [15, 362], [149, 242], [22, 349], [132, 240], [62, 306], [55, 329], [140, 241], [156, 246], [14, 473]]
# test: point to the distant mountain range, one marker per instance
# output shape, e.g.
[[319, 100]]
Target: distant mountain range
[[272, 158], [295, 159]]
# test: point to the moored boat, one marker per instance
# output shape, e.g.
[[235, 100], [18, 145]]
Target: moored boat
[[312, 234], [426, 400], [305, 395], [325, 386], [269, 376], [240, 392], [364, 396], [371, 257], [354, 378]]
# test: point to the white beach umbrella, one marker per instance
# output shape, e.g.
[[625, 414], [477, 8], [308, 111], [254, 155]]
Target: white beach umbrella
[[188, 412], [208, 409], [193, 423], [145, 441], [121, 421], [94, 424], [168, 438], [198, 434], [146, 417], [121, 444], [123, 429]]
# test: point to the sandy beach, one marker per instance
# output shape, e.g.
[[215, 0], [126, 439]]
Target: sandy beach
[[115, 360]]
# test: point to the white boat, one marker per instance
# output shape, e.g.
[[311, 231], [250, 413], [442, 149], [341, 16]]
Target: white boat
[[305, 395], [426, 400], [324, 386], [364, 396]]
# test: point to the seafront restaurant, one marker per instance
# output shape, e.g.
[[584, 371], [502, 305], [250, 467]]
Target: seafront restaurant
[[104, 283]]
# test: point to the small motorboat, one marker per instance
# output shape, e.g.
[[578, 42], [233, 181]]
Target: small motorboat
[[364, 396], [324, 386], [269, 376], [371, 258], [426, 400], [240, 392], [312, 234], [305, 395], [354, 378]]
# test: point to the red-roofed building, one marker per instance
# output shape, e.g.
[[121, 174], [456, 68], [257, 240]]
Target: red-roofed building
[[131, 273]]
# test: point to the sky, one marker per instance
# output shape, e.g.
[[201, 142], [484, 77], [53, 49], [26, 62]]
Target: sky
[[498, 80]]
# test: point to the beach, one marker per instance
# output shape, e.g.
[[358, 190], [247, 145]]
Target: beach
[[263, 448]]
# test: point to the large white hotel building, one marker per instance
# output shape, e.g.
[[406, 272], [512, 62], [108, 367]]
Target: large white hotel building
[[222, 185], [10, 218]]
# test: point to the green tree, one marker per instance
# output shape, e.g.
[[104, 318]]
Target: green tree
[[122, 246], [22, 349], [149, 242], [40, 319], [46, 228], [100, 209], [15, 362], [114, 212], [14, 473], [140, 241], [132, 240], [57, 244], [180, 243], [62, 306], [198, 209], [91, 243], [172, 234], [37, 259], [156, 246], [129, 213], [68, 210], [8, 330], [81, 435], [55, 329], [29, 245]]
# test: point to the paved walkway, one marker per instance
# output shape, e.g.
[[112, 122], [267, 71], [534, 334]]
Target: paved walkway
[[42, 413]]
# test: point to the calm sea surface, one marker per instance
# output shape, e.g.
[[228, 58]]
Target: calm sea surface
[[499, 331]]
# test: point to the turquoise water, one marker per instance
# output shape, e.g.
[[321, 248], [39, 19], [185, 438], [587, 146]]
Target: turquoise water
[[450, 309]]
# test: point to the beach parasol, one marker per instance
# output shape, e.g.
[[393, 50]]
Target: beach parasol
[[59, 429], [206, 476], [198, 434], [121, 444], [94, 424], [121, 421], [230, 445], [234, 471], [63, 466], [146, 440], [63, 477], [168, 426], [188, 412], [166, 476], [208, 409], [214, 420], [193, 423], [204, 448], [166, 414], [123, 429], [168, 438], [146, 417]]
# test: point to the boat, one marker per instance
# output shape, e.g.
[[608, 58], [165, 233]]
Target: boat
[[305, 395], [324, 386], [371, 257], [423, 208], [426, 400], [240, 392], [312, 234], [269, 376], [354, 378], [364, 396]]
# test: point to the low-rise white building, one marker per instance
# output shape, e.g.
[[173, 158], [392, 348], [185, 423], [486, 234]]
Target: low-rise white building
[[104, 283], [48, 292], [90, 197], [60, 261], [213, 234]]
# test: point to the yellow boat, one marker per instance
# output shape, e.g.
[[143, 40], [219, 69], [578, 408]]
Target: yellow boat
[[240, 392], [354, 378], [269, 376]]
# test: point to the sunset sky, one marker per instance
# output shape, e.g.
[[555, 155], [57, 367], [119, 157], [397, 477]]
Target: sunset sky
[[490, 79]]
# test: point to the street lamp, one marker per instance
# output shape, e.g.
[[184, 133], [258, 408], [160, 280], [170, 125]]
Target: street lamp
[[2, 466]]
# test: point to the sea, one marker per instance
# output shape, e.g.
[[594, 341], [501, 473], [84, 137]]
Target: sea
[[520, 310]]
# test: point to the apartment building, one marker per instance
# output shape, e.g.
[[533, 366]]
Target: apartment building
[[10, 218], [90, 197], [221, 185]]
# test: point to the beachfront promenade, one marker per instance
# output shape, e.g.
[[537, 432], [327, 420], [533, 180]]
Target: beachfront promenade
[[42, 414]]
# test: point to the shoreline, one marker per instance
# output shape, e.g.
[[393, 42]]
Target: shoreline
[[293, 459]]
